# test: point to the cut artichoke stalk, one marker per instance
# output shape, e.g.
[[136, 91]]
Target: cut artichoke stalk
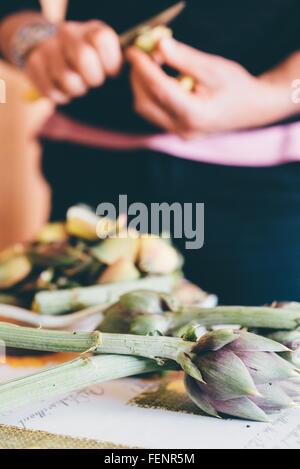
[[66, 301], [234, 373], [245, 316], [148, 40], [71, 377]]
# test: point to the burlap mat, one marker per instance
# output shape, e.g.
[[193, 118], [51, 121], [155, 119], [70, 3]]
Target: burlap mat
[[16, 438]]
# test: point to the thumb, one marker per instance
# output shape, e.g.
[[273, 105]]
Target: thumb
[[188, 60]]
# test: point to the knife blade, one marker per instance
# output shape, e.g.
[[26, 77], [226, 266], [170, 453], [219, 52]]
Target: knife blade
[[163, 18]]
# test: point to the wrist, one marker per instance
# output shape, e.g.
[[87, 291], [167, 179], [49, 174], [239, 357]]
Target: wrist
[[27, 37]]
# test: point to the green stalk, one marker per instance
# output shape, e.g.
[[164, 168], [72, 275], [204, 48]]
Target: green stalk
[[144, 312], [70, 377], [48, 341], [165, 348], [96, 342], [250, 317], [143, 346], [65, 301]]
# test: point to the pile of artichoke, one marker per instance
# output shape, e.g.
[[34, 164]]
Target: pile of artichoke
[[81, 252]]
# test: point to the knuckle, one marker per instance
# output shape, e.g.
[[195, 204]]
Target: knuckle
[[100, 31], [99, 37], [95, 24], [105, 30], [67, 30]]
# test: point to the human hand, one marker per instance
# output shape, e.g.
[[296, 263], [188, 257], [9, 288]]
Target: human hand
[[227, 97], [79, 57]]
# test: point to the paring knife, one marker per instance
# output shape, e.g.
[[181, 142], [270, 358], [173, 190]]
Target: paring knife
[[162, 19]]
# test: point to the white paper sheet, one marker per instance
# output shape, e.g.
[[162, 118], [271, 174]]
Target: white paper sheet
[[102, 412]]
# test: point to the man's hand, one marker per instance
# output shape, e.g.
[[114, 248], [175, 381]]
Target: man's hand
[[79, 57], [227, 97]]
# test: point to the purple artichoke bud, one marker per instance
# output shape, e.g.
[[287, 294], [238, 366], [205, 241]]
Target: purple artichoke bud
[[242, 376]]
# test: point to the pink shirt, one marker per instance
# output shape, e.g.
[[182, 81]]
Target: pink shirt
[[253, 148]]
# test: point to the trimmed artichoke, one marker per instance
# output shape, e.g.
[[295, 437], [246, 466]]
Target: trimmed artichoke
[[121, 271], [148, 40], [111, 250], [82, 223], [14, 267], [157, 256], [139, 312], [52, 233]]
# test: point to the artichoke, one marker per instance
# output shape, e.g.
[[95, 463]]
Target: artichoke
[[84, 251], [133, 315], [242, 376], [148, 40], [232, 373], [13, 270], [139, 312]]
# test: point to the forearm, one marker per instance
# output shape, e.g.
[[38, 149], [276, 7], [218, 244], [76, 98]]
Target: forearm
[[9, 28], [280, 83]]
